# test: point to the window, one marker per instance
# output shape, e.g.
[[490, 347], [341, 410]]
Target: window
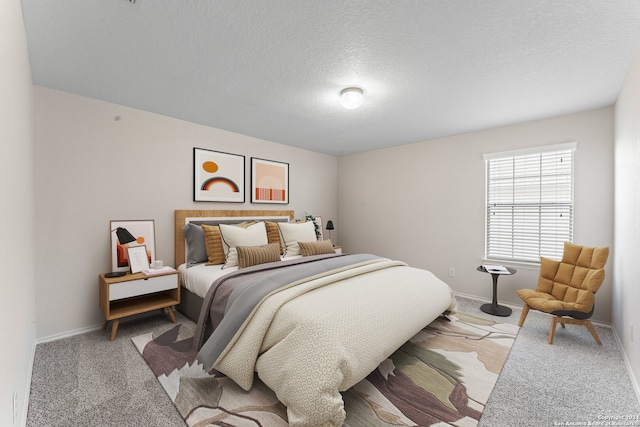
[[529, 203]]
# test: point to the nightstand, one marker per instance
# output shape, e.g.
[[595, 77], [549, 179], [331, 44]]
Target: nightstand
[[136, 293], [338, 249]]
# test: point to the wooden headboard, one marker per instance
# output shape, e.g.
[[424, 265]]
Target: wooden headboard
[[183, 216]]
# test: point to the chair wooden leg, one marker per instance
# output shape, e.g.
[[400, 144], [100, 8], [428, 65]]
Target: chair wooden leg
[[563, 320], [594, 334], [552, 330], [525, 311]]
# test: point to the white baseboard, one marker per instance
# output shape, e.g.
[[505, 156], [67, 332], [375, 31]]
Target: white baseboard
[[519, 307], [67, 334], [627, 364], [27, 394], [484, 300], [84, 330]]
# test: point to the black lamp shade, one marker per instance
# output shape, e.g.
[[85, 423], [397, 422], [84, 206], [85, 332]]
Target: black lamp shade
[[330, 225], [124, 236]]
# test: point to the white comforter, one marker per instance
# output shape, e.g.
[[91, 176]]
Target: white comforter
[[311, 340]]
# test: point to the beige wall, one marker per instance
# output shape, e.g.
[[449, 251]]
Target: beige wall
[[16, 216], [424, 203], [626, 316], [91, 168]]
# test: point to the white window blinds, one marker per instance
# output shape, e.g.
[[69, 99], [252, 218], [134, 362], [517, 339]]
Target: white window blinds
[[529, 203]]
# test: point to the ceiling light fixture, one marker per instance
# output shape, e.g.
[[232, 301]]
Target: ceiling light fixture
[[351, 97]]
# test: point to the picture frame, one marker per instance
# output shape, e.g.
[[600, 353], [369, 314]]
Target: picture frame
[[144, 233], [319, 233], [138, 260], [218, 176], [269, 181]]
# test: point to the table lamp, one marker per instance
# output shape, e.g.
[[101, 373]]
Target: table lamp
[[124, 237], [330, 227]]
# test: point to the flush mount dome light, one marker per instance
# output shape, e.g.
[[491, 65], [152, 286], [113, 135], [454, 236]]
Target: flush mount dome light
[[351, 97]]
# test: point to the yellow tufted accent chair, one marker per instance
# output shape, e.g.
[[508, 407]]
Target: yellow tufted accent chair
[[566, 289]]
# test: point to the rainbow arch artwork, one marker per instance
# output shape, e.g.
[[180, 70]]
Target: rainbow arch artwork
[[220, 180], [218, 176]]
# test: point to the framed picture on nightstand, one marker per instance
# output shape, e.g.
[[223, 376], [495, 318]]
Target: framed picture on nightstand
[[143, 231], [138, 260]]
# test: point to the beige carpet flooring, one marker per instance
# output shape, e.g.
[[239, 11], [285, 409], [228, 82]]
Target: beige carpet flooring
[[86, 380]]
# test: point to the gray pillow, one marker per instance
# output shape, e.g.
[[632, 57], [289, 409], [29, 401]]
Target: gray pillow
[[197, 251]]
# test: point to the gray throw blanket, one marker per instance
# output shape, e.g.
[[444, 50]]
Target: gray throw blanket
[[233, 297]]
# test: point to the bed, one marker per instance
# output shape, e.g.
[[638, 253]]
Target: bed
[[311, 323], [194, 283]]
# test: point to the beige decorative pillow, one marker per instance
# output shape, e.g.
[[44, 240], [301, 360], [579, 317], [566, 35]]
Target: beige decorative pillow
[[232, 237], [316, 248], [294, 232], [245, 224], [273, 234], [255, 255], [213, 244]]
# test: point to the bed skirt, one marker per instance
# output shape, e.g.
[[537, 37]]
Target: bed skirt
[[190, 304]]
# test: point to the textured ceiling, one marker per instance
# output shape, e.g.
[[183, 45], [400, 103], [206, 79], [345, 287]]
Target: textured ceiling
[[274, 69]]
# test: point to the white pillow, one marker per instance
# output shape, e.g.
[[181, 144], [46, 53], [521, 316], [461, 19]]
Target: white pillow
[[232, 237], [294, 232]]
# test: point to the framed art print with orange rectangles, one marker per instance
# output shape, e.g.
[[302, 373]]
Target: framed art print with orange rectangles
[[269, 181]]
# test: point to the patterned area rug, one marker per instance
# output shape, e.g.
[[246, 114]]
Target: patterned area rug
[[442, 376]]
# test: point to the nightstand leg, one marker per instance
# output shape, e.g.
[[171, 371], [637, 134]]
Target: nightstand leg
[[171, 315], [114, 329], [106, 322]]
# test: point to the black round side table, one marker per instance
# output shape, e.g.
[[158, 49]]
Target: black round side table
[[494, 308]]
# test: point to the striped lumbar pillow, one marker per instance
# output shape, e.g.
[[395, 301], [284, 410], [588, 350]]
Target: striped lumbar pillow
[[254, 255], [316, 248]]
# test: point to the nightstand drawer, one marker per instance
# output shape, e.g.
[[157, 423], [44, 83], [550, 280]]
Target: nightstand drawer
[[149, 285]]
